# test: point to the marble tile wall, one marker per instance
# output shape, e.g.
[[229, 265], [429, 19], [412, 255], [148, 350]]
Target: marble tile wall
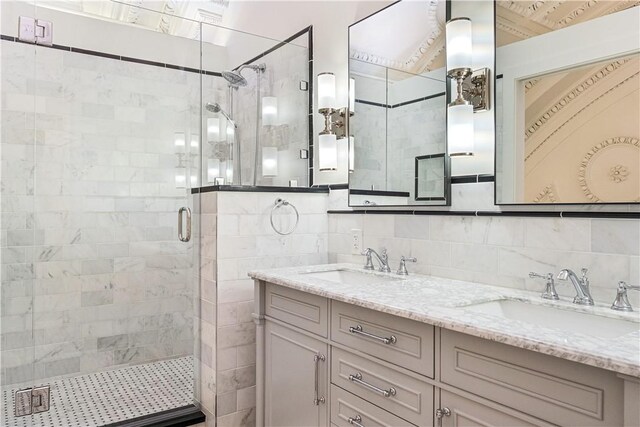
[[500, 251], [246, 241], [92, 275]]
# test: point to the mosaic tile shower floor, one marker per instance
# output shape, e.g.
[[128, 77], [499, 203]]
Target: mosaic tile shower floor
[[102, 398]]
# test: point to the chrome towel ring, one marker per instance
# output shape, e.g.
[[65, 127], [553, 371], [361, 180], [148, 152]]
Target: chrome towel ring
[[279, 203]]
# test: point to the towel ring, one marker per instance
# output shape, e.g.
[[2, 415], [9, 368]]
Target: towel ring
[[279, 203]]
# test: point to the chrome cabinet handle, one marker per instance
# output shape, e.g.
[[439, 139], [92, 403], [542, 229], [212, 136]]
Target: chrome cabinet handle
[[317, 359], [182, 237], [356, 421], [357, 378], [358, 331]]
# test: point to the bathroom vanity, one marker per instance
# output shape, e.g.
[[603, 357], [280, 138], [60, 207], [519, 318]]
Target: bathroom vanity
[[340, 346]]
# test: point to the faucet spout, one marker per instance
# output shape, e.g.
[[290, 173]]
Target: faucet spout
[[583, 295], [383, 260]]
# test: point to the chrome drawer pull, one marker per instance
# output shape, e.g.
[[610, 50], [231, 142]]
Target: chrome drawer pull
[[357, 378], [317, 359], [356, 421], [358, 330]]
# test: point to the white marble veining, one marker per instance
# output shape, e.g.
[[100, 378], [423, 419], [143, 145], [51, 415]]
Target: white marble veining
[[441, 302]]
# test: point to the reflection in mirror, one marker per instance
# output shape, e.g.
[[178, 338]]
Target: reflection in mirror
[[397, 65], [567, 103]]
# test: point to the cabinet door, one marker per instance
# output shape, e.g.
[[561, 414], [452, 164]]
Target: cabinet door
[[467, 413], [293, 362]]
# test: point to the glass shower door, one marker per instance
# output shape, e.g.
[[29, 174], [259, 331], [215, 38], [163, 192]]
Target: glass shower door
[[115, 145]]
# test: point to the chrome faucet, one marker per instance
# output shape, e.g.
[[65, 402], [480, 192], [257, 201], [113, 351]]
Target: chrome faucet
[[383, 260], [621, 303], [583, 296], [402, 268]]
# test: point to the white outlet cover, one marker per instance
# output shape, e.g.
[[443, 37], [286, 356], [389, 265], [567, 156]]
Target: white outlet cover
[[356, 241]]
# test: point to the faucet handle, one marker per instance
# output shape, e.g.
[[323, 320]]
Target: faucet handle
[[550, 287], [621, 303], [369, 264], [402, 269]]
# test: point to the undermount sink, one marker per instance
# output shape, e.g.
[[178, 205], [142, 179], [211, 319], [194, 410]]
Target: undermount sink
[[556, 318], [349, 276]]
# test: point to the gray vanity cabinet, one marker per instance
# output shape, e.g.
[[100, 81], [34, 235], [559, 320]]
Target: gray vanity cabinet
[[295, 381], [322, 362]]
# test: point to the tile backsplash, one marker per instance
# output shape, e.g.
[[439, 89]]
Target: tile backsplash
[[500, 251]]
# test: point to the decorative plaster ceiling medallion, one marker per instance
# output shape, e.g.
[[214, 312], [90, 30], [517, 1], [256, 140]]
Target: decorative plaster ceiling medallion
[[602, 176]]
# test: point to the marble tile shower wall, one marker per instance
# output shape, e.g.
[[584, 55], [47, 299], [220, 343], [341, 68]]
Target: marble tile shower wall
[[286, 67], [414, 130], [92, 275], [500, 251], [369, 127], [246, 241]]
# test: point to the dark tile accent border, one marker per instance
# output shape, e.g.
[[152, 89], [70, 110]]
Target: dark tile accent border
[[471, 179], [380, 193], [115, 57], [259, 189], [547, 214], [412, 101], [178, 417]]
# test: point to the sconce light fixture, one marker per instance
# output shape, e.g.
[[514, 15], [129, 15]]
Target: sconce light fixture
[[352, 158], [269, 161], [335, 123], [472, 87], [269, 110]]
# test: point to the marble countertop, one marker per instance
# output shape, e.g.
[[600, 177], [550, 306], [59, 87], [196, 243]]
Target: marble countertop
[[441, 302]]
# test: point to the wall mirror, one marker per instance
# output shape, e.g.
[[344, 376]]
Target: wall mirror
[[567, 102], [398, 90]]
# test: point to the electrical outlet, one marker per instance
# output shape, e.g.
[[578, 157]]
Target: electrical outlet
[[356, 241]]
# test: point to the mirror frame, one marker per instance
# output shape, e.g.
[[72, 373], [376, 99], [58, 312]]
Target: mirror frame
[[447, 159], [587, 205]]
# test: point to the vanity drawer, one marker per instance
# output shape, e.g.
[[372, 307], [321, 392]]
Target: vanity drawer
[[300, 309], [406, 396], [357, 327], [346, 406], [546, 387]]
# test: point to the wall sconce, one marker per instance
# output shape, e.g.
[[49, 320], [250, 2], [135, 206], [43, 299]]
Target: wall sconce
[[181, 177], [472, 87], [269, 161], [213, 128], [335, 123], [269, 110]]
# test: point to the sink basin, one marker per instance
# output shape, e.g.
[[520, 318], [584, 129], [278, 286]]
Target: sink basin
[[557, 318], [349, 276]]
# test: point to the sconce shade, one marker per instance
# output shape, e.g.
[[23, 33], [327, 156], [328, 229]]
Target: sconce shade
[[230, 129], [352, 95], [352, 157], [460, 130], [213, 170], [213, 128], [327, 152], [269, 161], [269, 110], [181, 177], [194, 178], [326, 90], [179, 142], [459, 44]]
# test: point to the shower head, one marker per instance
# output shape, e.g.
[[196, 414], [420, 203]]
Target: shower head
[[234, 79], [214, 107]]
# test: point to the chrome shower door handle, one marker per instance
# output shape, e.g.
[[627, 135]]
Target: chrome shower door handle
[[184, 237]]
